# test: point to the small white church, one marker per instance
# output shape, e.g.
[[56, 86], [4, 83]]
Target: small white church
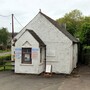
[[44, 42]]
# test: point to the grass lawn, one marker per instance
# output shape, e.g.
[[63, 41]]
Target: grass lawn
[[5, 62], [7, 67], [2, 51]]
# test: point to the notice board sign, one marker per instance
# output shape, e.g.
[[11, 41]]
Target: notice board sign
[[48, 68], [35, 53], [18, 52]]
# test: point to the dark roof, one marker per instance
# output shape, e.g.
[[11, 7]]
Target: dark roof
[[41, 43], [57, 25]]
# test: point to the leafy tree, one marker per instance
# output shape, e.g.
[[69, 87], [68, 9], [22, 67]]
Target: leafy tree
[[73, 21], [4, 35], [87, 19], [79, 26], [85, 33]]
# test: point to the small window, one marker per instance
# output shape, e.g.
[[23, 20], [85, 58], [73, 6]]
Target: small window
[[26, 55]]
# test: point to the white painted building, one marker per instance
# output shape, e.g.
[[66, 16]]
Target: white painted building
[[44, 42]]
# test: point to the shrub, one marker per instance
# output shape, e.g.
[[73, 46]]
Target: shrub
[[2, 58], [86, 49]]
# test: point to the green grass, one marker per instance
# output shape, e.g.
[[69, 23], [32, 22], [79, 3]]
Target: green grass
[[6, 67], [5, 61], [3, 51], [5, 57], [1, 68]]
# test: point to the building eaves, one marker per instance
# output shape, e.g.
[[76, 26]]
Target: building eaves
[[41, 43], [57, 25]]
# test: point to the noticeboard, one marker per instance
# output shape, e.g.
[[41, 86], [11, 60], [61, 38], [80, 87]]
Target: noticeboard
[[35, 53], [48, 68], [18, 53]]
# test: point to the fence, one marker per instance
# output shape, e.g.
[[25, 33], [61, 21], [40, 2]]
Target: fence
[[6, 65], [86, 56]]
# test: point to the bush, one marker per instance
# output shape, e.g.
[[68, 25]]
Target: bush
[[2, 51], [86, 55], [2, 58], [86, 49]]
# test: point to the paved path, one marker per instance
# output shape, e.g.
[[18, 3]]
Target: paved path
[[5, 53], [77, 81], [11, 81], [81, 82]]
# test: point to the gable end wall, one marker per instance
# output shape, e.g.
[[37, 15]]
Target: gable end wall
[[58, 46]]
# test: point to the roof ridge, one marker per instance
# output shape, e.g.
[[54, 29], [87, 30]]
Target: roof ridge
[[57, 25]]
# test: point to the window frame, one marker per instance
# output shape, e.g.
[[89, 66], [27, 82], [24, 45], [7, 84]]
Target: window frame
[[25, 51]]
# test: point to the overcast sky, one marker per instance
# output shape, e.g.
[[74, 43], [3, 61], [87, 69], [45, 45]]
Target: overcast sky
[[25, 10]]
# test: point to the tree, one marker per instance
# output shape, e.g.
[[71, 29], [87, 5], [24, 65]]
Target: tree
[[73, 21], [85, 33], [87, 19], [79, 26], [4, 36]]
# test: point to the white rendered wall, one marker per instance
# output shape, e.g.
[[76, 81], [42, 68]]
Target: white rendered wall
[[75, 55], [58, 46], [28, 68]]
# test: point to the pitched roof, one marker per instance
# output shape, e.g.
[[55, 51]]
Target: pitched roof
[[41, 43], [57, 25]]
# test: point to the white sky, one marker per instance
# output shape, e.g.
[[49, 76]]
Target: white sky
[[25, 10]]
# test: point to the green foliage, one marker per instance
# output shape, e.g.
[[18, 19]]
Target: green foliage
[[87, 19], [4, 36], [73, 21], [85, 33], [75, 15], [86, 47], [7, 50], [2, 58], [6, 57], [4, 63], [78, 25]]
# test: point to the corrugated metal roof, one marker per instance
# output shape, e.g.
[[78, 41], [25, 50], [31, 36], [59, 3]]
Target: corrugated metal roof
[[57, 25]]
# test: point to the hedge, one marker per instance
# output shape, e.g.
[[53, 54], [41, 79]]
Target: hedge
[[6, 57], [86, 49], [2, 51]]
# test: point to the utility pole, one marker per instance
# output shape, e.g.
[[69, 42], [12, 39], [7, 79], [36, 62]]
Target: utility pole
[[12, 26]]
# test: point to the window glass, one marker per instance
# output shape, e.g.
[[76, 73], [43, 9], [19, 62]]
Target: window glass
[[26, 55]]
